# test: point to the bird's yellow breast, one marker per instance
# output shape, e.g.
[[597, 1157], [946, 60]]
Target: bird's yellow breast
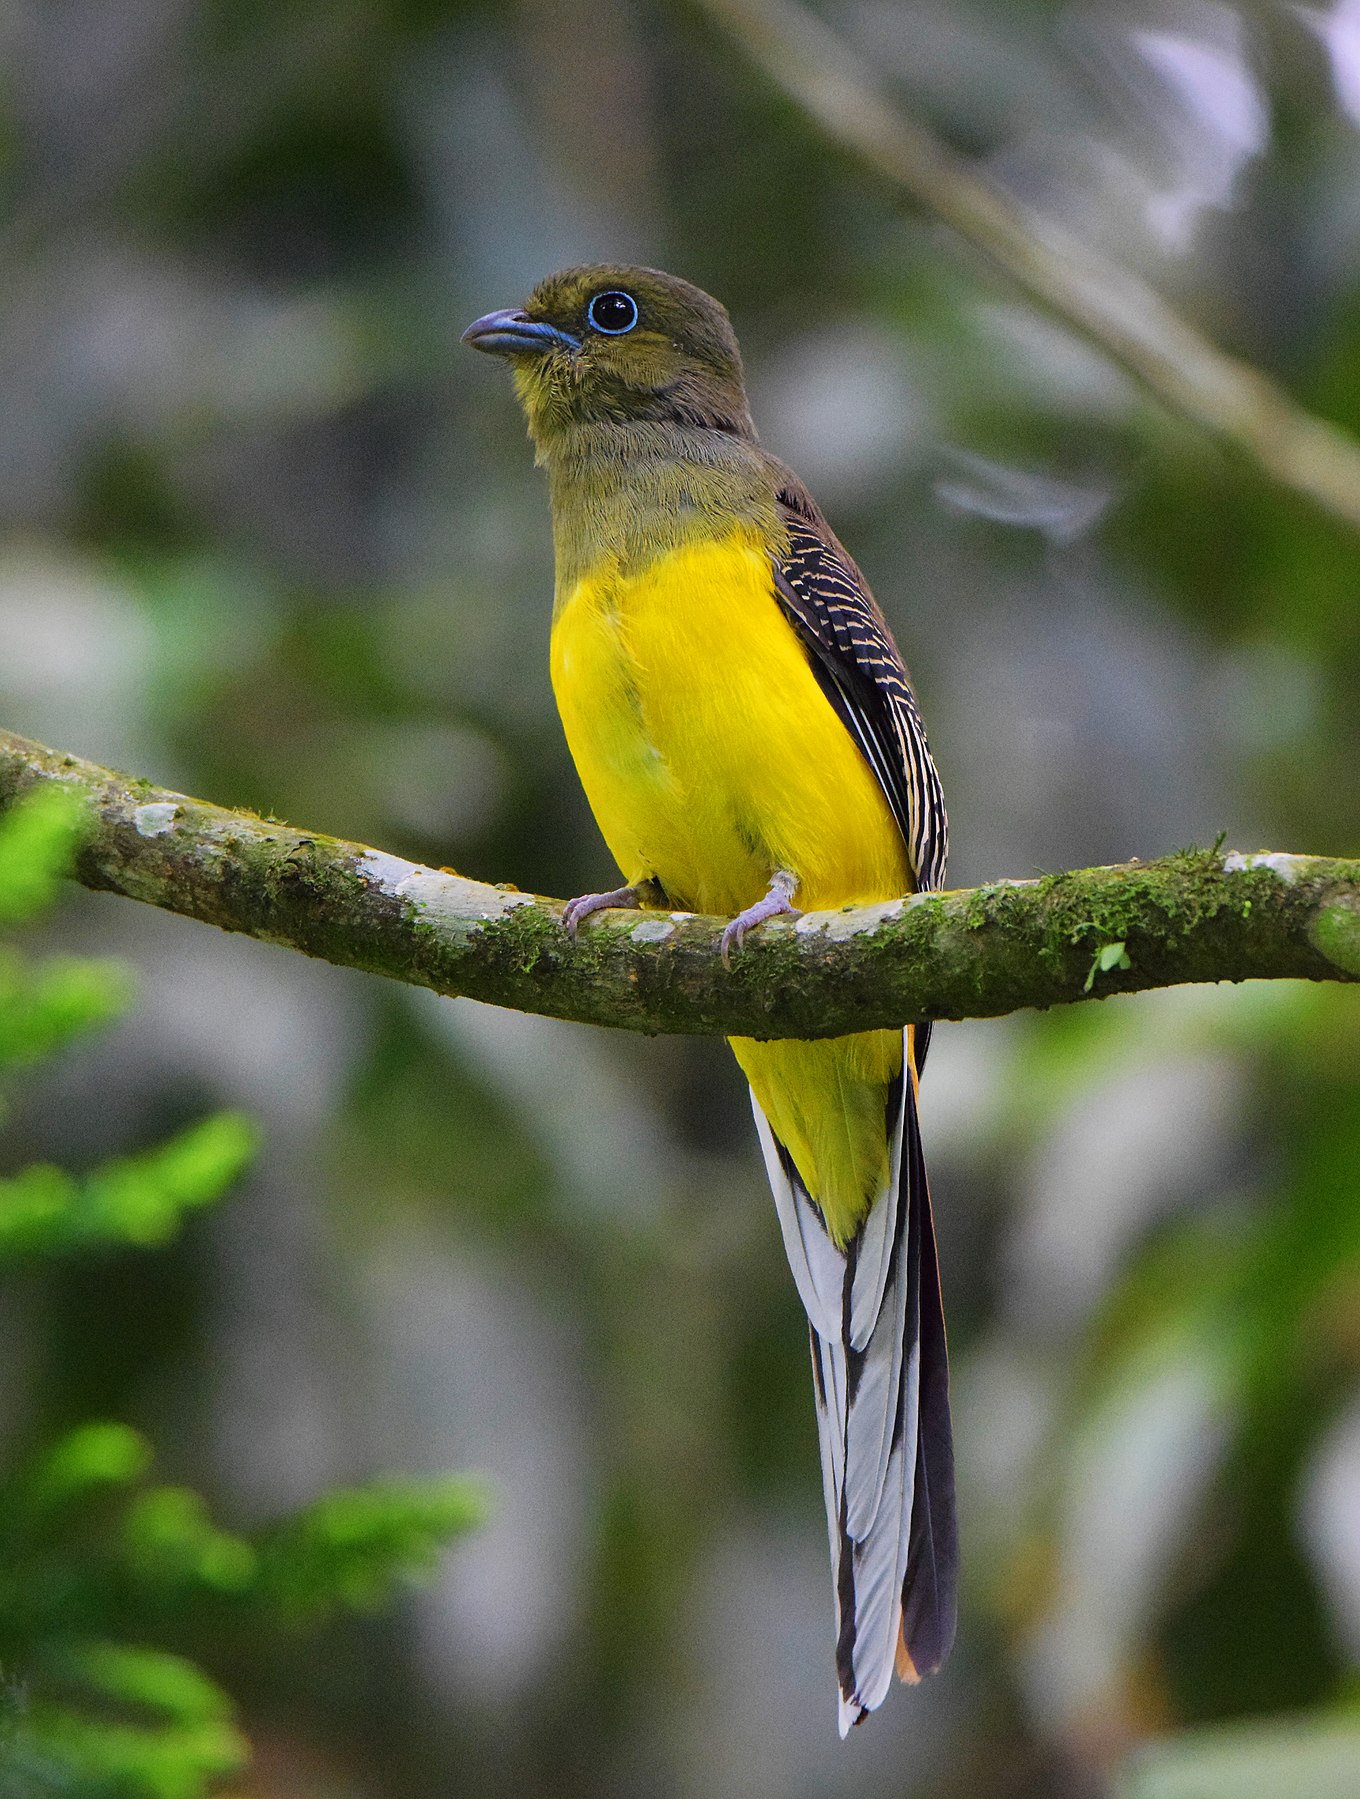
[[711, 759], [709, 754]]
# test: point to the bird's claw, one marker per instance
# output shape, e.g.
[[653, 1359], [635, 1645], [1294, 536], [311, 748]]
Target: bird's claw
[[776, 903], [576, 911]]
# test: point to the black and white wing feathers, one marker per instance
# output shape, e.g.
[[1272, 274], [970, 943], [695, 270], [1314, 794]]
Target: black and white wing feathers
[[862, 673]]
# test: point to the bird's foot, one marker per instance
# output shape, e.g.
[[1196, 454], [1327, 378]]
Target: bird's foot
[[577, 910], [777, 903]]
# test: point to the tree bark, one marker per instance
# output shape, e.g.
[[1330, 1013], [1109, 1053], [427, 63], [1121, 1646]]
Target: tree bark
[[1202, 915]]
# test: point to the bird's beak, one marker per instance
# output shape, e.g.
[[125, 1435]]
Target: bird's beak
[[513, 333]]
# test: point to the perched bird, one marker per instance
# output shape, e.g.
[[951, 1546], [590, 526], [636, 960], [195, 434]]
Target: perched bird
[[747, 737]]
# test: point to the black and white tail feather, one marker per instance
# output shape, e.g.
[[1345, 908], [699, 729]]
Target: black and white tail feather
[[881, 1383], [879, 1364]]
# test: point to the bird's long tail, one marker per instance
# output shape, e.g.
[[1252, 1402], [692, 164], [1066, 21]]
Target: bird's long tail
[[882, 1387]]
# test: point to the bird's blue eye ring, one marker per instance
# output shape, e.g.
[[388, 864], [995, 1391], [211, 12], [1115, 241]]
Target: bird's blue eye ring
[[613, 312]]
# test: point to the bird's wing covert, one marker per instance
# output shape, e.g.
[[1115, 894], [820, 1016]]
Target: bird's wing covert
[[859, 669]]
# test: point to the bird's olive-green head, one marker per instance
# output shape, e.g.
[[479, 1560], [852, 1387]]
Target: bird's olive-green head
[[612, 345], [632, 383]]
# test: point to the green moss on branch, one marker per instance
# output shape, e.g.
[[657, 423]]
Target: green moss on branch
[[1199, 916]]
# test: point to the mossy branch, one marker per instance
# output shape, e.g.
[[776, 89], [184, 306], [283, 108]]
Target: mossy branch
[[1202, 915], [1109, 306]]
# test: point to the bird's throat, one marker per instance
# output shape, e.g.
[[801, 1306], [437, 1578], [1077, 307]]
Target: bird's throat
[[627, 494]]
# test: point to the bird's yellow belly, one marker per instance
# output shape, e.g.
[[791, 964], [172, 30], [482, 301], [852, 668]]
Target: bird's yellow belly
[[711, 759], [709, 754]]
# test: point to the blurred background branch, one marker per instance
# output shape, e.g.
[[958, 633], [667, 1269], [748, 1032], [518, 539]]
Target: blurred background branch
[[979, 953], [1109, 305]]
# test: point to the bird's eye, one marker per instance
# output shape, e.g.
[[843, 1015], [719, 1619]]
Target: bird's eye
[[613, 313]]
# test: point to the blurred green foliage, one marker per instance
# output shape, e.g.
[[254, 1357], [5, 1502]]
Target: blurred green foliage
[[94, 1558]]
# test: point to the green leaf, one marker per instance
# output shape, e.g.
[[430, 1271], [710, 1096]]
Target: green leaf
[[168, 1536], [38, 841], [1111, 956], [90, 1457], [139, 1200], [36, 1209], [353, 1547], [174, 1761], [147, 1677], [43, 1008]]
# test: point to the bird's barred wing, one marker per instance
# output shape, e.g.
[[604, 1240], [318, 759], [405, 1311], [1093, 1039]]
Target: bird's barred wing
[[859, 669]]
